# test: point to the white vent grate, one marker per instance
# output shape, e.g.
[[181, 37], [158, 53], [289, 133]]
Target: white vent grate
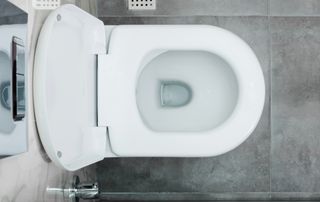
[[142, 4], [45, 4]]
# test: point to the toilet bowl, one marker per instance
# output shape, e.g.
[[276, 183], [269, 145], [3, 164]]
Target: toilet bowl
[[142, 90]]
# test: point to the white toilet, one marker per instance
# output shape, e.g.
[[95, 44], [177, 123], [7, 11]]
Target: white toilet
[[142, 90]]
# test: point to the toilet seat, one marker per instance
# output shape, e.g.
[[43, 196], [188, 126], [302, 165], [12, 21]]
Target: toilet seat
[[64, 88], [117, 107], [86, 111]]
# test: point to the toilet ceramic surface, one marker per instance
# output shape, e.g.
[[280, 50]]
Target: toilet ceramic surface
[[64, 87], [118, 90], [156, 90]]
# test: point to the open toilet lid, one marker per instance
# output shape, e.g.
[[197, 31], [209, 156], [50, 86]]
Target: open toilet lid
[[64, 87]]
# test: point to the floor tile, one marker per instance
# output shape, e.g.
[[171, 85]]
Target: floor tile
[[295, 104]]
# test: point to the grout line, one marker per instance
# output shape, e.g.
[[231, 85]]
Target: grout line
[[183, 16], [270, 97], [168, 16], [206, 196]]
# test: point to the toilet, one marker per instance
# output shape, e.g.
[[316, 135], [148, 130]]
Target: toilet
[[141, 90]]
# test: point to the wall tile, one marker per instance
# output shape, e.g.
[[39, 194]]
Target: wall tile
[[245, 169], [17, 19], [295, 7], [8, 9], [295, 104], [10, 14], [107, 8]]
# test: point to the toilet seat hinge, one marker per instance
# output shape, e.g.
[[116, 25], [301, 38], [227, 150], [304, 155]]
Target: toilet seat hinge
[[102, 59]]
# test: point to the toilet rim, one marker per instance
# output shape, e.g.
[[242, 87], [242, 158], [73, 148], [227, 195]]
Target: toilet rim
[[244, 63]]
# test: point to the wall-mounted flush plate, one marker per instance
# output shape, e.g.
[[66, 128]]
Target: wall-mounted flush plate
[[46, 4], [142, 4]]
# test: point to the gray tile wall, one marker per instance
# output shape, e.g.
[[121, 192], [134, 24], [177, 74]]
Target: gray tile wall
[[294, 7], [113, 8], [107, 8], [8, 9], [10, 14], [295, 104], [281, 159]]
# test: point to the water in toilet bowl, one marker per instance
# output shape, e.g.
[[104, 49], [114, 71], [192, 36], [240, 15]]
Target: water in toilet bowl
[[186, 91]]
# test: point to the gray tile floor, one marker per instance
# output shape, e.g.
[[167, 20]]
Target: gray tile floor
[[282, 157], [295, 104]]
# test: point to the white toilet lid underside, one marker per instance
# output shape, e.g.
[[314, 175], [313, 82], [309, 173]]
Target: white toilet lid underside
[[64, 87], [128, 47]]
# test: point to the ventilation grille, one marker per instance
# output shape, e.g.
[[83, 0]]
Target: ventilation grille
[[142, 4], [45, 4]]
